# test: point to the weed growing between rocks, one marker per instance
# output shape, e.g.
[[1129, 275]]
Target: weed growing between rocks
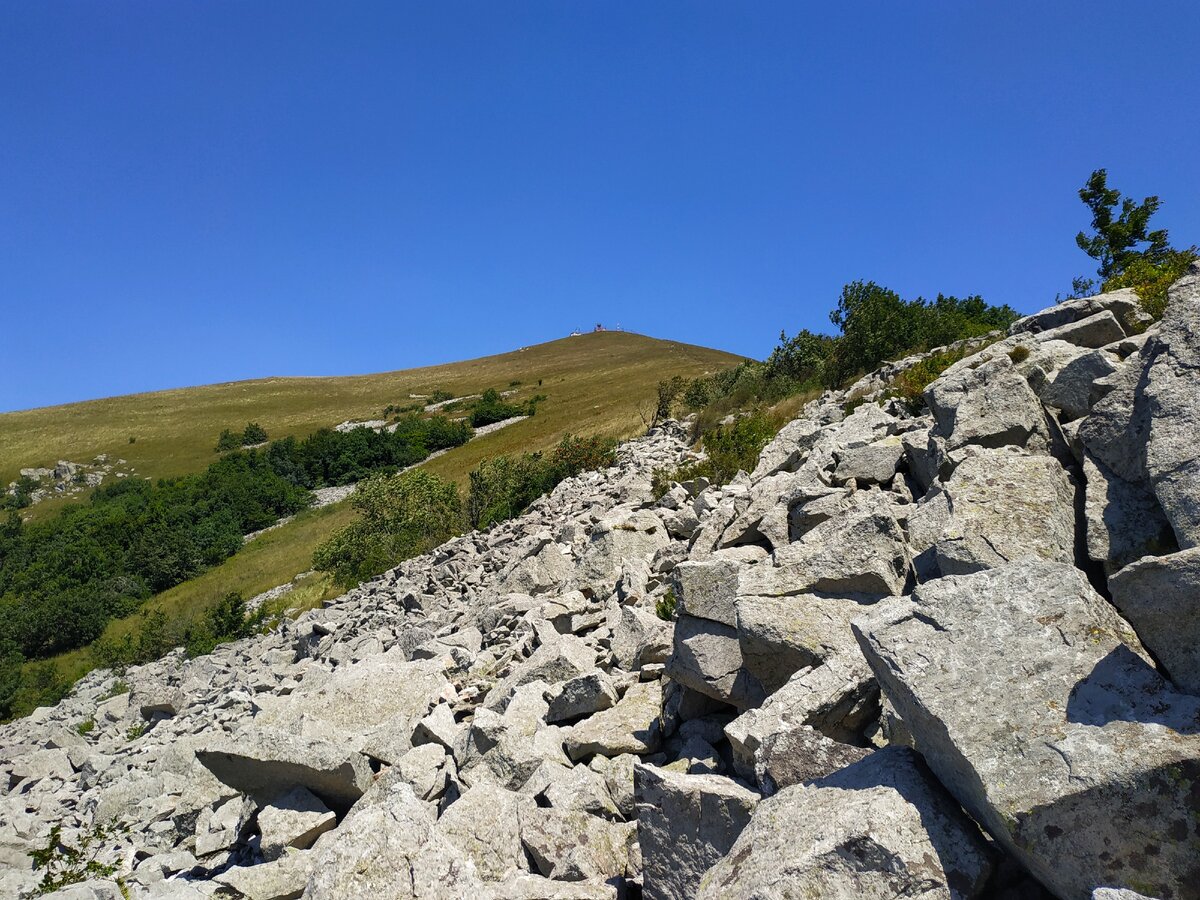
[[64, 864]]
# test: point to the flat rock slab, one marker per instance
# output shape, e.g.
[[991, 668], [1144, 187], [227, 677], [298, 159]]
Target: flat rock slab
[[1034, 704], [390, 849], [858, 552], [632, 726], [881, 828], [264, 762]]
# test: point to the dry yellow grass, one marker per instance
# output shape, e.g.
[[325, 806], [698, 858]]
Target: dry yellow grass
[[595, 382]]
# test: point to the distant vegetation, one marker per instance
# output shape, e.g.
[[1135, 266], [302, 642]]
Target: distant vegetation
[[64, 578], [876, 324], [251, 435], [411, 513]]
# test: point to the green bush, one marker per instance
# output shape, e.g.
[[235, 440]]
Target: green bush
[[490, 408], [64, 864], [401, 516], [253, 434], [730, 449], [504, 486], [1151, 279], [227, 621], [664, 608], [909, 386]]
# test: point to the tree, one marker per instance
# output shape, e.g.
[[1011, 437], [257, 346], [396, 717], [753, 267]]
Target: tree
[[1117, 237]]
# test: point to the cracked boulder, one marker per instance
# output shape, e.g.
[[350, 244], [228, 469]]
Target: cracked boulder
[[1035, 705], [1160, 596], [685, 824], [881, 828], [1006, 505]]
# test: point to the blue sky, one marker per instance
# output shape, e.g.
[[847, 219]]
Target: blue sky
[[205, 191]]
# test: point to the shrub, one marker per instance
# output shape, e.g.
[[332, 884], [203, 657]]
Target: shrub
[[228, 441], [1019, 353], [64, 864], [253, 434], [227, 621], [1151, 279], [86, 726], [489, 409], [401, 516], [440, 396], [504, 486], [664, 608], [730, 449], [909, 386]]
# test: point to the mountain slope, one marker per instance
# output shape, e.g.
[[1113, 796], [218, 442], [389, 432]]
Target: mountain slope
[[594, 382]]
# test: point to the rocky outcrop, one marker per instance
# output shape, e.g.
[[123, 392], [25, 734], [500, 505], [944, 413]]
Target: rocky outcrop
[[947, 653]]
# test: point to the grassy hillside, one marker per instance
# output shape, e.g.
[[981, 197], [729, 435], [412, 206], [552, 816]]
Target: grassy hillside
[[594, 382]]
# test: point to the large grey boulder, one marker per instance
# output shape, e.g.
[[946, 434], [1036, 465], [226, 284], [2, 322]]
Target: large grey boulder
[[620, 538], [987, 405], [787, 449], [1123, 519], [1006, 505], [505, 749], [881, 828], [1145, 429], [837, 699], [570, 845], [1034, 704], [264, 762], [876, 463], [708, 658], [294, 819], [391, 849], [685, 824], [485, 825], [707, 589], [1073, 390], [1096, 330], [860, 552], [781, 635], [1160, 596], [640, 638], [1123, 304], [375, 695], [632, 726]]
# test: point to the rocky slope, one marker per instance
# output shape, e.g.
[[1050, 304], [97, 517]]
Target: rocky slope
[[945, 655]]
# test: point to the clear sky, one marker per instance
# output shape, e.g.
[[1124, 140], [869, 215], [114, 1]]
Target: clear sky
[[206, 191]]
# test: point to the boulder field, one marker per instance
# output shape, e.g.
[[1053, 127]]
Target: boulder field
[[949, 653]]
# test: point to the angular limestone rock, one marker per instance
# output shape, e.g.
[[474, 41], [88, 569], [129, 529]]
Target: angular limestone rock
[[391, 849], [708, 659], [263, 762], [1124, 520], [880, 828], [1031, 701], [781, 635], [569, 845], [1160, 597], [860, 552], [632, 726], [485, 824], [685, 824], [294, 819], [1006, 505], [989, 405], [1145, 429]]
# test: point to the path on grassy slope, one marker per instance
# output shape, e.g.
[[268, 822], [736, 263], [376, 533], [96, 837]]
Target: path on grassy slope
[[327, 496]]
